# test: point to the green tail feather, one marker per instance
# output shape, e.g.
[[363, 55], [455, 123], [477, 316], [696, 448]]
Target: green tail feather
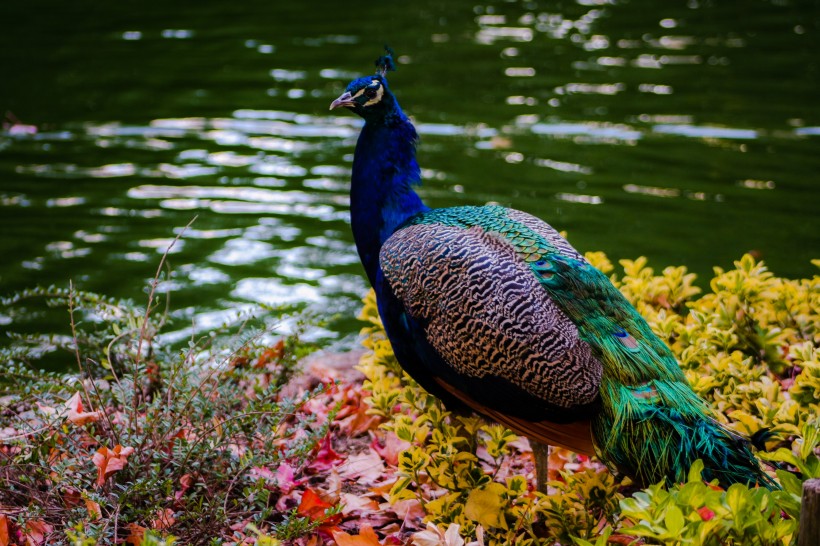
[[657, 431]]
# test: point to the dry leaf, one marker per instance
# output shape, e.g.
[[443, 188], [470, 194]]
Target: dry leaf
[[164, 519], [71, 497], [409, 509], [314, 508], [76, 414], [366, 468], [366, 537], [433, 536], [356, 503], [5, 531], [109, 461], [390, 447], [135, 534], [93, 508], [325, 457], [35, 532]]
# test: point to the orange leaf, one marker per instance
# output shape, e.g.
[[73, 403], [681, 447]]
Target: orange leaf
[[76, 414], [313, 507], [135, 534], [271, 354], [93, 509], [5, 540], [109, 461], [366, 537], [36, 531], [165, 518]]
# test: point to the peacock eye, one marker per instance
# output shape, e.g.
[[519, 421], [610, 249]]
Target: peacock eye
[[370, 92]]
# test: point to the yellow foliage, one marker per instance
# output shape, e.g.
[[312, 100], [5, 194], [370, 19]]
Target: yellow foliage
[[749, 347]]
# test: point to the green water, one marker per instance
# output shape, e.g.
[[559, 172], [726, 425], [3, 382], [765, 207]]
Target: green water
[[686, 131]]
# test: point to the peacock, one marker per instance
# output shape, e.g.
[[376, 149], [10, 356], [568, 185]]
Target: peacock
[[491, 310]]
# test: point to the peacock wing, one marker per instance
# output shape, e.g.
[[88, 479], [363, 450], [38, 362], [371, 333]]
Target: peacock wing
[[485, 313], [619, 336]]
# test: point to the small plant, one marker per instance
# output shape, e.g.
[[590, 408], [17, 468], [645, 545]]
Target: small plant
[[147, 444]]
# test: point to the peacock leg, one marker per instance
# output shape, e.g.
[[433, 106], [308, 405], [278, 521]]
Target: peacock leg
[[541, 452]]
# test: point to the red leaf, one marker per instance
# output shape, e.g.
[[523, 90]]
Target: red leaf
[[313, 507], [271, 355], [325, 458], [391, 448], [705, 513], [93, 508]]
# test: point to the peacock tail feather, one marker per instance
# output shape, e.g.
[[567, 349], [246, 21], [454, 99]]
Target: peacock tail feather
[[651, 425]]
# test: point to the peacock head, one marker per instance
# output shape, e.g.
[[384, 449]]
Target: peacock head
[[370, 97]]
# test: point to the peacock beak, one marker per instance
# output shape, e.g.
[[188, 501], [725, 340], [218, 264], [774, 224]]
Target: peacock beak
[[345, 99]]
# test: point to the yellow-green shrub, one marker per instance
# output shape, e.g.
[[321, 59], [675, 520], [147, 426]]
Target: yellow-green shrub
[[750, 347]]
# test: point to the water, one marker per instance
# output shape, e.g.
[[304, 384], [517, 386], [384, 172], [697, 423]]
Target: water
[[689, 133]]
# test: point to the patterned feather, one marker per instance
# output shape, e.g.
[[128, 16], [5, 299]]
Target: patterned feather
[[491, 309]]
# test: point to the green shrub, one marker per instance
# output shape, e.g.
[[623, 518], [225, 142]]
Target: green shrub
[[143, 443], [750, 348]]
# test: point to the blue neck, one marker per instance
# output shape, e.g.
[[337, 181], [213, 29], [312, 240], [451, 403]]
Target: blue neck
[[381, 194]]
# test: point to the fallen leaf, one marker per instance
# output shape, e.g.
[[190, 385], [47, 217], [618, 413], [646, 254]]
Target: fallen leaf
[[366, 537], [271, 355], [135, 534], [164, 519], [71, 497], [313, 507], [5, 532], [76, 414], [35, 531], [48, 410], [284, 477], [366, 467], [109, 461], [408, 509], [325, 457], [433, 536], [356, 503], [93, 508], [383, 489], [353, 418], [390, 447], [186, 481]]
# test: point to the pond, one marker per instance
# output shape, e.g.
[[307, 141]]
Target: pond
[[687, 131]]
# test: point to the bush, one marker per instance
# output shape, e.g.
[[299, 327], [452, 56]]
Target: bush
[[147, 444], [750, 348]]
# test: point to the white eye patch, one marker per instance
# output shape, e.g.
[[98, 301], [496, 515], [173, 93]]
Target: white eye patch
[[376, 98]]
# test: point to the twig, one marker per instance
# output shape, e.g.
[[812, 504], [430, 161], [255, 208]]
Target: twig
[[144, 326], [74, 338]]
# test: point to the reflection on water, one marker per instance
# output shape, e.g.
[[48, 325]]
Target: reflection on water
[[679, 132]]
